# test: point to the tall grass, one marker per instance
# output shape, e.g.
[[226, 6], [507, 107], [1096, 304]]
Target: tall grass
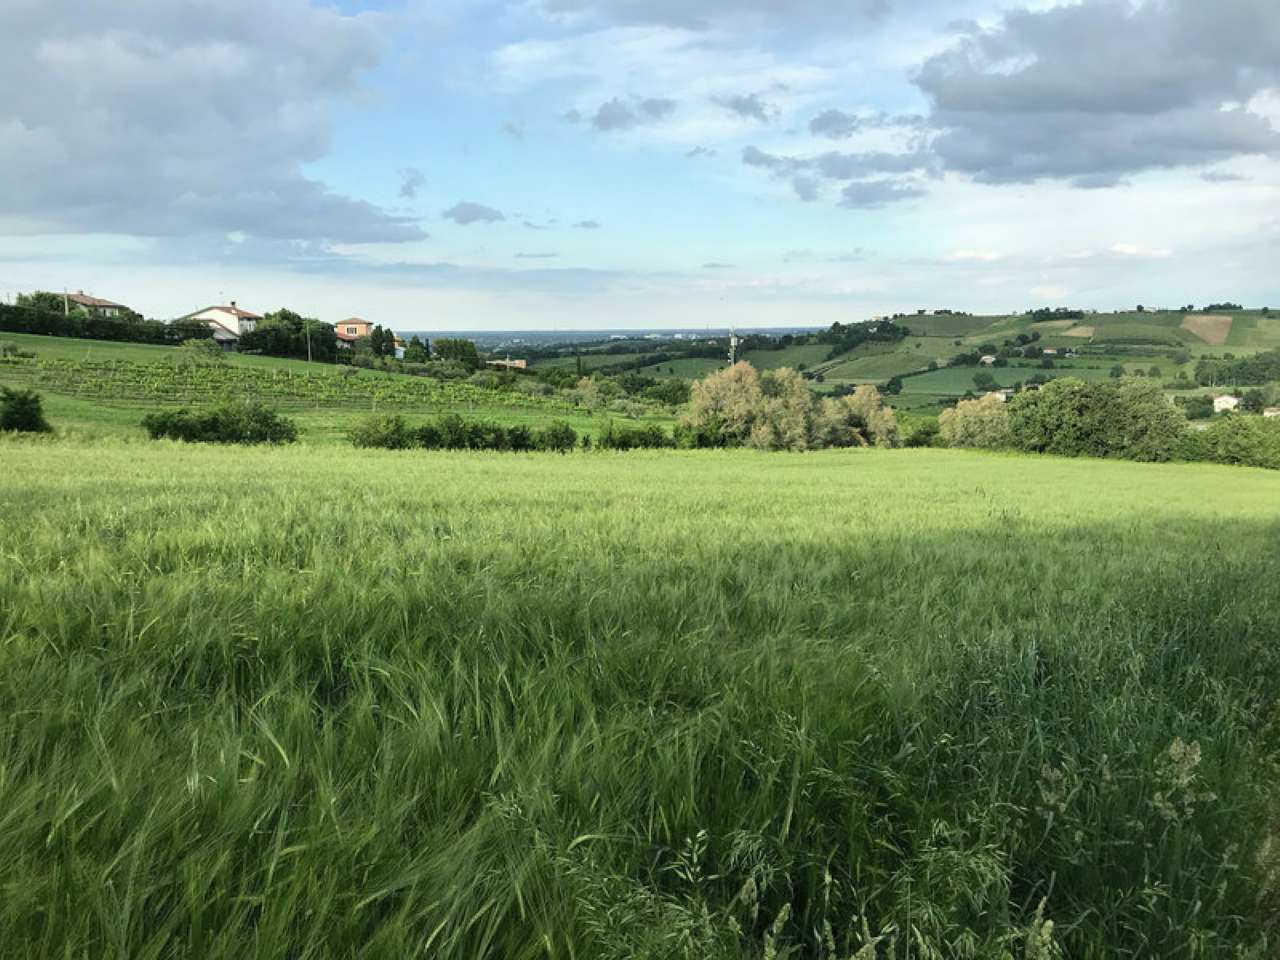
[[299, 703]]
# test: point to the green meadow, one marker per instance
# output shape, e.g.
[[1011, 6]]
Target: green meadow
[[312, 702]]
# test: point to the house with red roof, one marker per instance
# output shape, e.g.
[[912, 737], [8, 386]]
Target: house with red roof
[[228, 323]]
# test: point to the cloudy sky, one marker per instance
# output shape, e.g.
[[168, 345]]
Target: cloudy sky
[[505, 164]]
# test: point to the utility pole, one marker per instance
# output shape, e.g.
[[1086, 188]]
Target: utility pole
[[306, 325], [66, 303]]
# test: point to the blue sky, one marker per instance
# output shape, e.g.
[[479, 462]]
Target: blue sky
[[594, 163]]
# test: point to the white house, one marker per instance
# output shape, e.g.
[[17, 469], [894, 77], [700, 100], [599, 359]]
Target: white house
[[228, 323], [988, 361], [1271, 413], [1225, 402], [94, 305], [1050, 352]]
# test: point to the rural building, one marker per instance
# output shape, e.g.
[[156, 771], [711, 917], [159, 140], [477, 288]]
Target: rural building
[[228, 323], [1271, 413], [353, 328], [94, 305], [988, 361], [1225, 402], [1050, 351], [508, 364]]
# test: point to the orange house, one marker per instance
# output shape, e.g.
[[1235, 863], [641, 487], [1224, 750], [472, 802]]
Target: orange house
[[353, 327]]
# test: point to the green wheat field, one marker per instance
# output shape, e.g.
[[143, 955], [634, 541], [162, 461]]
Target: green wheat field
[[316, 702]]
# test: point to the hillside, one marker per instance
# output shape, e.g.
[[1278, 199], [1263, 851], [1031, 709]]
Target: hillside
[[93, 387]]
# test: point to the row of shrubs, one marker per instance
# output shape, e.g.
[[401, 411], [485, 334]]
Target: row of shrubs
[[1130, 420], [230, 422], [452, 432]]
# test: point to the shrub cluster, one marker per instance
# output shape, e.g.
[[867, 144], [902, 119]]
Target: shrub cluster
[[20, 411], [452, 432], [1238, 439], [230, 422], [651, 437], [1127, 419], [776, 410]]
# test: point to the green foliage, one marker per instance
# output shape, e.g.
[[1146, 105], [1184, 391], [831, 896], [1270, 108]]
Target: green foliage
[[618, 437], [317, 703], [1241, 440], [1197, 407], [35, 314], [20, 411], [984, 381], [200, 353], [123, 379], [1254, 370], [458, 351], [288, 334], [775, 410], [452, 432], [417, 350], [980, 423], [927, 434], [1127, 419], [233, 421]]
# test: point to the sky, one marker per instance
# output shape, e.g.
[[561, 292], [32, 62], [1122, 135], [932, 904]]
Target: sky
[[587, 164]]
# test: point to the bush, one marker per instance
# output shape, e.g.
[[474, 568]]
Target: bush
[[229, 422], [649, 437], [1238, 439], [383, 431], [1129, 419], [925, 435], [452, 432], [983, 422], [20, 411]]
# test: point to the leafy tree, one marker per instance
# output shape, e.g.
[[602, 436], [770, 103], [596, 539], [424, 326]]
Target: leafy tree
[[1117, 371], [459, 351], [45, 301], [285, 333], [894, 386], [1154, 372], [927, 434], [21, 411], [1253, 401], [1129, 419], [983, 422], [417, 350], [983, 380]]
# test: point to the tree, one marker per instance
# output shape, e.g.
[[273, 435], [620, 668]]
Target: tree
[[1253, 401], [46, 302], [459, 351], [1117, 371], [1047, 363], [1154, 372], [983, 422], [894, 386], [417, 350], [20, 410], [984, 381], [285, 333], [1129, 419]]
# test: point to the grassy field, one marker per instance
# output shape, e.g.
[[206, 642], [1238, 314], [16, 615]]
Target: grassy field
[[317, 703], [805, 354]]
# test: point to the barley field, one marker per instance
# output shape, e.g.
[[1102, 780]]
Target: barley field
[[315, 703]]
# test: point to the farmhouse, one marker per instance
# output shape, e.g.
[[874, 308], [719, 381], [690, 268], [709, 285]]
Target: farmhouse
[[508, 364], [228, 323], [1050, 351], [1271, 413], [1225, 402], [988, 360], [93, 305]]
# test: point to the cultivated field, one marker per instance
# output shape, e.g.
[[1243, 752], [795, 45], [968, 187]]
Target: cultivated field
[[1211, 328], [312, 703]]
